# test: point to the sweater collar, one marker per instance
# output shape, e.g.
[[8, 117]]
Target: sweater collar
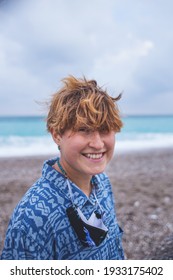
[[58, 180]]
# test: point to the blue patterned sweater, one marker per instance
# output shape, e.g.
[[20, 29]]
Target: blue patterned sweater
[[39, 228]]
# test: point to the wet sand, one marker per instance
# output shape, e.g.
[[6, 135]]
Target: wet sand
[[143, 187]]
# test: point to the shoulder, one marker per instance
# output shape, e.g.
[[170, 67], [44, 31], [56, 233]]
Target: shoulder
[[37, 206], [103, 186], [104, 179], [39, 210], [106, 187]]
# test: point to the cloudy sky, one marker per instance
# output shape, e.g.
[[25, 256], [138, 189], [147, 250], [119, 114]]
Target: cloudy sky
[[126, 45]]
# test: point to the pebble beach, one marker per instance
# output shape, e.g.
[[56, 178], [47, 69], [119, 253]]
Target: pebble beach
[[142, 183]]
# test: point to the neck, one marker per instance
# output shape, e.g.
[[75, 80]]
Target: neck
[[84, 183], [85, 186]]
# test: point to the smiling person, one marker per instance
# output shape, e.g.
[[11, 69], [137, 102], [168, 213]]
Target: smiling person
[[69, 212]]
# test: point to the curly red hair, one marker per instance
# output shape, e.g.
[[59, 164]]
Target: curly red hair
[[82, 103]]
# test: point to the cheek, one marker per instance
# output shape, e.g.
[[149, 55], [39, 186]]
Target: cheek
[[111, 142], [111, 149], [71, 146]]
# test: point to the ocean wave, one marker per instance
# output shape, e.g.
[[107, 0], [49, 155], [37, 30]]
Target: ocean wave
[[141, 141], [26, 146], [44, 145]]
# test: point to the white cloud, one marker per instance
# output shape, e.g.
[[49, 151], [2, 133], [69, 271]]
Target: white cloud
[[120, 66], [126, 45]]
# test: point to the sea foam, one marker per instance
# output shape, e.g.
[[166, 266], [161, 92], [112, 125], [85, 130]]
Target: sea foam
[[44, 145]]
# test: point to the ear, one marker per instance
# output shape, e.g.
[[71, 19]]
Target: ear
[[56, 137]]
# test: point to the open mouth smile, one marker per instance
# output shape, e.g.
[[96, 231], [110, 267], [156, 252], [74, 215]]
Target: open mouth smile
[[94, 156]]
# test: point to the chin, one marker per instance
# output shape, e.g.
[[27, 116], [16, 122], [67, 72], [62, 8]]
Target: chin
[[97, 172]]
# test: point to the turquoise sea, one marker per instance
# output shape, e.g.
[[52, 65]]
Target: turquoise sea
[[21, 136]]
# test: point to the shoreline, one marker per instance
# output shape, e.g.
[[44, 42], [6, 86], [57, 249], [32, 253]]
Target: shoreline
[[142, 183]]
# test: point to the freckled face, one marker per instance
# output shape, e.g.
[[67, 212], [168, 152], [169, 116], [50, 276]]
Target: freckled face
[[86, 153]]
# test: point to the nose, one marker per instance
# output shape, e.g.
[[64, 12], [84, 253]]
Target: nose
[[96, 141]]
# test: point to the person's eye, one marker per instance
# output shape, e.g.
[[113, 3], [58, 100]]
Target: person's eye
[[83, 129], [104, 130]]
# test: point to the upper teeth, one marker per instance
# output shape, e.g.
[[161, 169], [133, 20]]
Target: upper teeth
[[93, 155]]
